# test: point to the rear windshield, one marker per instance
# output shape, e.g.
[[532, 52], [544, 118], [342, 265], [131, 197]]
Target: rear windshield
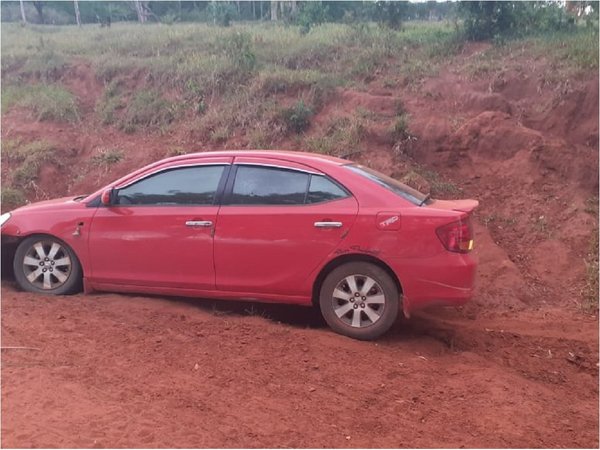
[[401, 189]]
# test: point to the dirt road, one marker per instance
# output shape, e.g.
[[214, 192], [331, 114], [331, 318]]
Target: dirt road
[[124, 371]]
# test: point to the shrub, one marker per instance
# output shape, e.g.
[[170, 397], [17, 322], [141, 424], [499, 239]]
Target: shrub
[[107, 157], [28, 159], [147, 109], [12, 198], [297, 117], [238, 48]]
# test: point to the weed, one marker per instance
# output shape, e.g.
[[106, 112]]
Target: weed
[[28, 159], [46, 65], [45, 101], [440, 187], [12, 198], [297, 117], [220, 134], [147, 109], [238, 48], [109, 104], [107, 157]]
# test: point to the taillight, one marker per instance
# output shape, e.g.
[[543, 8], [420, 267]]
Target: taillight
[[457, 236]]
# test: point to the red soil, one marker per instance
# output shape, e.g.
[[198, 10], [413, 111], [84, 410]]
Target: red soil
[[517, 367]]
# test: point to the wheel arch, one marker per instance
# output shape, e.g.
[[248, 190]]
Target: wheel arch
[[19, 239], [343, 259]]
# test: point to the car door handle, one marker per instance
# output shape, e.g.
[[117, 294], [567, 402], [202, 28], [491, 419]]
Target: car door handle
[[198, 223], [328, 224]]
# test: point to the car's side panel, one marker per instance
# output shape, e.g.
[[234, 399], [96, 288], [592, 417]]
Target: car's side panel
[[273, 249], [152, 246]]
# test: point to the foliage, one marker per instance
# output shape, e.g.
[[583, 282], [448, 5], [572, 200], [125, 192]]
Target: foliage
[[221, 13], [500, 20], [107, 157], [390, 13], [147, 109], [28, 159], [238, 48], [45, 101], [312, 14], [12, 198], [297, 117]]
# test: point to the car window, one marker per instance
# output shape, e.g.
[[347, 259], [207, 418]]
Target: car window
[[268, 186], [323, 190], [401, 189], [182, 186]]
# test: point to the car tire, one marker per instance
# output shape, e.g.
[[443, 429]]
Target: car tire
[[46, 265], [359, 300]]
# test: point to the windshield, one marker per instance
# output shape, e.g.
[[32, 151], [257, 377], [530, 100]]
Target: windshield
[[404, 191]]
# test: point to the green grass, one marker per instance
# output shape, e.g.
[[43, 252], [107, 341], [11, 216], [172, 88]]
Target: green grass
[[44, 101], [27, 160], [11, 198], [343, 135], [147, 109]]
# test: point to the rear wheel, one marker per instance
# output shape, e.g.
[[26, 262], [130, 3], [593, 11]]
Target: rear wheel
[[47, 265], [359, 300]]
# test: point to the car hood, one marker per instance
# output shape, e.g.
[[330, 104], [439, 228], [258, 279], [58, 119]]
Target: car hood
[[55, 204]]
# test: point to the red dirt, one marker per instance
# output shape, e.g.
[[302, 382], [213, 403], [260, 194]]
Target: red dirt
[[517, 367]]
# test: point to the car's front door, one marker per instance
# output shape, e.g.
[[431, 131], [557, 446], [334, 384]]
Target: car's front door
[[158, 230], [277, 224]]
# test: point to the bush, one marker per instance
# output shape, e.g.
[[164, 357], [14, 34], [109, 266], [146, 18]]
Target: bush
[[147, 109], [296, 118], [221, 13], [28, 159], [12, 198], [238, 48], [310, 15]]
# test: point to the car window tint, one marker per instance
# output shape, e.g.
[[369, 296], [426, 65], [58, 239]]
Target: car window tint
[[401, 189], [182, 186], [268, 186], [323, 190]]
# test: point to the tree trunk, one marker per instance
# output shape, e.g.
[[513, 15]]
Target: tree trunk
[[77, 16], [261, 11], [294, 7], [274, 6], [39, 7], [23, 17]]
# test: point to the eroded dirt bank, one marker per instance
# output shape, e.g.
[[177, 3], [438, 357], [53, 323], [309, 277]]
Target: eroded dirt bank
[[517, 367]]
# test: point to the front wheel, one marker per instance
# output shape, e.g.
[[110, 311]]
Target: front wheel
[[359, 300], [47, 265]]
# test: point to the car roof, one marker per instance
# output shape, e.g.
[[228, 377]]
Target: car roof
[[274, 154]]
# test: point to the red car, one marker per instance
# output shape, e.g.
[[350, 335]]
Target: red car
[[268, 226]]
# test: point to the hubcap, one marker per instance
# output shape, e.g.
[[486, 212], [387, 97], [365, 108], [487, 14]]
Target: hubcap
[[47, 265], [358, 301]]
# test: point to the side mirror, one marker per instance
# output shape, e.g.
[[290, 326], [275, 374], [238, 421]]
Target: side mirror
[[106, 197]]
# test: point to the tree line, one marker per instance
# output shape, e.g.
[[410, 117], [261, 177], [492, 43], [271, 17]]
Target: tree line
[[478, 19]]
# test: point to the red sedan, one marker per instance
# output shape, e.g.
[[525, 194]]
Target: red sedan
[[266, 226]]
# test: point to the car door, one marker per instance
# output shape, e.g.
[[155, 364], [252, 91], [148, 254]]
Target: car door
[[278, 222], [158, 230]]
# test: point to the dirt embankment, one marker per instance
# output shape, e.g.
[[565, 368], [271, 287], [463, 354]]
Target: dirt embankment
[[518, 367]]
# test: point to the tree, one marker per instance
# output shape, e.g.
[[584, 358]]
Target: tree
[[39, 7], [23, 18], [77, 15], [274, 7]]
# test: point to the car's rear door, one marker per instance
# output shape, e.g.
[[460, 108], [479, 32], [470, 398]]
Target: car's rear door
[[159, 231], [278, 222]]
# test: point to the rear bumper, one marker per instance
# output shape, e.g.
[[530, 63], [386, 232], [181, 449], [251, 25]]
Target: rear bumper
[[446, 279]]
